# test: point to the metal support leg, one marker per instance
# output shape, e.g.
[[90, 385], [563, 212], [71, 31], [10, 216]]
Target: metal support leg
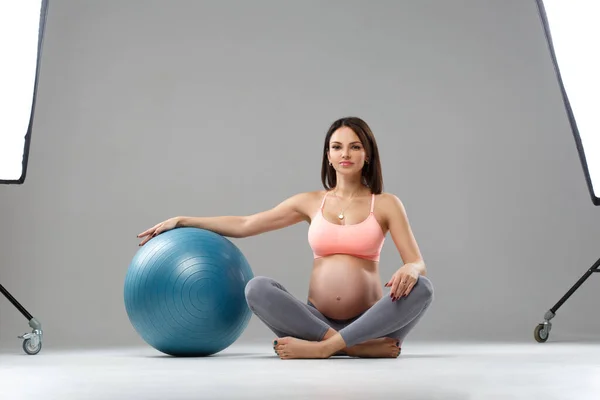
[[542, 331], [32, 343]]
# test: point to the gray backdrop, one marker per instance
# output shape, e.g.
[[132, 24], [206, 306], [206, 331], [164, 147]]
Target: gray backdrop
[[152, 109]]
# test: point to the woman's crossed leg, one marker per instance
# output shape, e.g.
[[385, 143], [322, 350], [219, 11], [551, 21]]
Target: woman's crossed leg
[[303, 332]]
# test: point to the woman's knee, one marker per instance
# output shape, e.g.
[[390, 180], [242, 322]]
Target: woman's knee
[[424, 289], [256, 288]]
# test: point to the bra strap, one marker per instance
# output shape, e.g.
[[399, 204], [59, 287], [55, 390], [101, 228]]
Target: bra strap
[[372, 202], [323, 201]]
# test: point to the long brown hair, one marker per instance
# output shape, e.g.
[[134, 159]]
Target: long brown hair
[[371, 172]]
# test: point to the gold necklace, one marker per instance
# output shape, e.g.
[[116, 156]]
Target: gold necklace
[[341, 214]]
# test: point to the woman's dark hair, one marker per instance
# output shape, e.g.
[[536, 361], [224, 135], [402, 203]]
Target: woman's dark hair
[[371, 173]]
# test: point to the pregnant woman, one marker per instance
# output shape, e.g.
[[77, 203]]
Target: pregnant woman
[[346, 312]]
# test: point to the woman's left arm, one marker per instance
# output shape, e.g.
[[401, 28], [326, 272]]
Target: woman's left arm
[[406, 277]]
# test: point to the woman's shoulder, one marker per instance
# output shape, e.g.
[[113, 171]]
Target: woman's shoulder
[[389, 200], [306, 202]]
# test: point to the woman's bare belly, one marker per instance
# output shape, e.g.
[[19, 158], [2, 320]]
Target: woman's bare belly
[[342, 286]]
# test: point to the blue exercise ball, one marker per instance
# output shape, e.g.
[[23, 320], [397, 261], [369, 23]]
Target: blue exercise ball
[[184, 292]]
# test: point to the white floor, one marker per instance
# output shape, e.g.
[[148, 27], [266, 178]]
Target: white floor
[[447, 371]]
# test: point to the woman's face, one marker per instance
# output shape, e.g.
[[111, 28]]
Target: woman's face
[[346, 152]]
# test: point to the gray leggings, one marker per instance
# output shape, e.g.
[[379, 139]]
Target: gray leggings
[[287, 316]]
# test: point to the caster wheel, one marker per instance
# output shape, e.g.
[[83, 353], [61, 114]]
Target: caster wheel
[[541, 333], [31, 349]]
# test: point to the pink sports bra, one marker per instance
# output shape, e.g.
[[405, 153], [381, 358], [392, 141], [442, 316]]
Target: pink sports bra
[[363, 240]]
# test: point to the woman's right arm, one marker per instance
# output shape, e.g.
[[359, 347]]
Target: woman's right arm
[[289, 212]]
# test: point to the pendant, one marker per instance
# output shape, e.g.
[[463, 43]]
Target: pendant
[[341, 216]]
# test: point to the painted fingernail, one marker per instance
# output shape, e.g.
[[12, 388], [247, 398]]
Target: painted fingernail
[[275, 342]]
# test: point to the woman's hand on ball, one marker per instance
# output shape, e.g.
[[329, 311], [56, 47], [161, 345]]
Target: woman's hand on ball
[[158, 229]]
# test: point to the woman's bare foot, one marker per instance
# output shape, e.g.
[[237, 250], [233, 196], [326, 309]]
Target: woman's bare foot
[[290, 348], [377, 348]]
